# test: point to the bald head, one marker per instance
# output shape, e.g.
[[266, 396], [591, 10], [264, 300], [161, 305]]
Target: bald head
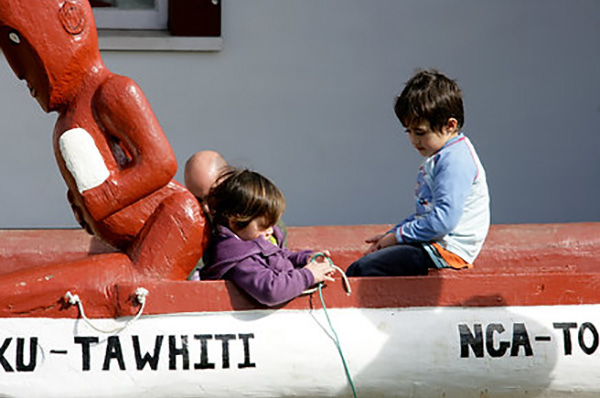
[[202, 170]]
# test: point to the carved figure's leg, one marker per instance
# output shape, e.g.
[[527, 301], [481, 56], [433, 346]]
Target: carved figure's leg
[[40, 291], [172, 240]]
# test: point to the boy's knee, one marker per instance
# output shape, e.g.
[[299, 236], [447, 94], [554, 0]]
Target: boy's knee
[[354, 269]]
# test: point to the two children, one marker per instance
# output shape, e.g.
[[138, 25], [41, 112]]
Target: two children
[[446, 230], [247, 246]]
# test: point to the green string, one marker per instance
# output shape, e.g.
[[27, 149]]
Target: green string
[[336, 339]]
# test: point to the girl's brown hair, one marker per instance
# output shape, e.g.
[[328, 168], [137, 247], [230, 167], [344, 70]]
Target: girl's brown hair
[[239, 196]]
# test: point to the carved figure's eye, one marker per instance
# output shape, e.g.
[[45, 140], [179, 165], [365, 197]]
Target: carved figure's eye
[[14, 37]]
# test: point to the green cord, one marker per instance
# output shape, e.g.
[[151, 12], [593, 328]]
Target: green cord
[[336, 338]]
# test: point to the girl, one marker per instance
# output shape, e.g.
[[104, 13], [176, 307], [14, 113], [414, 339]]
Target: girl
[[247, 247]]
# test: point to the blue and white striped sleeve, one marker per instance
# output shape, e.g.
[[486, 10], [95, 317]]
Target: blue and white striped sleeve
[[453, 176]]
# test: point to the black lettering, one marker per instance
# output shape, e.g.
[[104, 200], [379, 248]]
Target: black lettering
[[566, 328], [174, 352], [225, 344], [591, 349], [85, 350], [468, 339], [204, 364], [113, 351], [520, 339], [246, 340], [151, 360], [21, 366], [489, 340], [3, 361]]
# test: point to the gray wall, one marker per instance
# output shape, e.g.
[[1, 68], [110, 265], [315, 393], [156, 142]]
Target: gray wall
[[303, 91]]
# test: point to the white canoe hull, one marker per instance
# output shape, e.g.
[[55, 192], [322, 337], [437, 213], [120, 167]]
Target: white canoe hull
[[529, 351]]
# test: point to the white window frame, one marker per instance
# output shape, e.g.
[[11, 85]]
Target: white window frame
[[115, 18], [145, 30]]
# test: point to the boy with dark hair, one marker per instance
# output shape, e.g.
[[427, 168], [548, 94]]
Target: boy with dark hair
[[452, 215]]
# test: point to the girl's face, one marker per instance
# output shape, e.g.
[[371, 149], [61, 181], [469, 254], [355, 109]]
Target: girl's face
[[256, 228]]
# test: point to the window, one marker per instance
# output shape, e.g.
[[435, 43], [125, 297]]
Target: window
[[178, 25], [131, 14]]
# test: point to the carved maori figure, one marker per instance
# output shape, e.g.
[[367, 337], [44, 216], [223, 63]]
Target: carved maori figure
[[110, 149]]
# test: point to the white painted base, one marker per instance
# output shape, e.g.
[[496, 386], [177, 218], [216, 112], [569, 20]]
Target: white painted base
[[524, 352]]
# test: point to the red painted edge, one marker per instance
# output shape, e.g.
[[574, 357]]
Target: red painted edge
[[520, 265], [397, 292]]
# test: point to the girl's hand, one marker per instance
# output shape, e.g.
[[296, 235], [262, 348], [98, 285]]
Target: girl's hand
[[321, 269], [325, 252]]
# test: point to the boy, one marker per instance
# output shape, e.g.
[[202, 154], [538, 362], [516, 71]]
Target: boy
[[452, 216]]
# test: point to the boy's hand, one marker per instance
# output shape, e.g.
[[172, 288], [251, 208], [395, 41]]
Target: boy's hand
[[373, 240], [381, 241], [388, 240]]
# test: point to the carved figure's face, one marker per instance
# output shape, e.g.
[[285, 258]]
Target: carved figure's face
[[52, 45], [26, 64]]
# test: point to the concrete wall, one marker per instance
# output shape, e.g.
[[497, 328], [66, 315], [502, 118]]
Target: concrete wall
[[303, 91]]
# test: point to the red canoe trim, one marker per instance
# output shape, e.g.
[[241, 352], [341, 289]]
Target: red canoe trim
[[520, 265]]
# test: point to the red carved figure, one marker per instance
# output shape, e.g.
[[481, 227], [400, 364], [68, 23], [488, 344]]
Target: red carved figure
[[110, 149]]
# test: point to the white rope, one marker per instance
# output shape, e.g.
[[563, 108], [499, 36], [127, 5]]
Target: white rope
[[345, 280], [140, 294]]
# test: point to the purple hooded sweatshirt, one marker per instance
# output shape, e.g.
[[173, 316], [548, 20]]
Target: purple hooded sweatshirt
[[269, 273]]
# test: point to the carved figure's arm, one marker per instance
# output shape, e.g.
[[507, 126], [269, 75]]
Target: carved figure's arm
[[124, 115]]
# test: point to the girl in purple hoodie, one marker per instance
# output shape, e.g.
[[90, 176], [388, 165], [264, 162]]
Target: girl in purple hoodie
[[247, 247]]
